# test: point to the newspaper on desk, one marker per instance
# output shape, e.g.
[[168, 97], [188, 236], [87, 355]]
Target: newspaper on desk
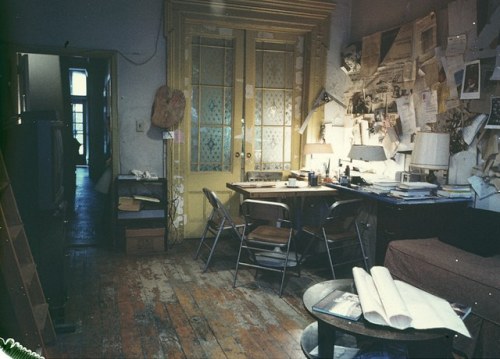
[[393, 303]]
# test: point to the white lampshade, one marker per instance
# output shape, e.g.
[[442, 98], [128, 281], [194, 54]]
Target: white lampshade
[[367, 153], [431, 151], [310, 148]]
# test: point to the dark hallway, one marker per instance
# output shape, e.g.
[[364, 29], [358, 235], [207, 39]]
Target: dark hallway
[[89, 224]]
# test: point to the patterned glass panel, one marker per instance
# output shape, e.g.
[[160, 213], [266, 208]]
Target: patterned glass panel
[[257, 147], [288, 143], [273, 70], [272, 141], [275, 78], [258, 107], [288, 108], [228, 106], [273, 108], [228, 65], [212, 104], [212, 72]]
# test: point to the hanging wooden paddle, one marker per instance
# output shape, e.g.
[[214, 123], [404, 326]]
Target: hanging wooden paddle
[[168, 107]]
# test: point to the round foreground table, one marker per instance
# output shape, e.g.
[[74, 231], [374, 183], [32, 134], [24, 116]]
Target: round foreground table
[[435, 343]]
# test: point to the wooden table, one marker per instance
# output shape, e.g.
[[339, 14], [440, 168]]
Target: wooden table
[[321, 197], [431, 343], [279, 189]]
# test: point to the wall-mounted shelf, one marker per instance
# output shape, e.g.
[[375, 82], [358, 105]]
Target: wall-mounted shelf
[[141, 214]]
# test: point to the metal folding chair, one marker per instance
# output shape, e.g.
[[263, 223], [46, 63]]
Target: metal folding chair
[[339, 229], [267, 239], [219, 221]]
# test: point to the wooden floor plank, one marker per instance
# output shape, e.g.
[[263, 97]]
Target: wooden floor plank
[[165, 306]]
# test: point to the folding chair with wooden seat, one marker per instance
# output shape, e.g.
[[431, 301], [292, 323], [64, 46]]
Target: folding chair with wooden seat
[[219, 221], [337, 230], [267, 239]]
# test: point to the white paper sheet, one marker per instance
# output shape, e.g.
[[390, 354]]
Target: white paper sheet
[[456, 45]]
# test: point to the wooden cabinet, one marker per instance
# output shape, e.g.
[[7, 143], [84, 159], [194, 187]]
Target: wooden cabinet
[[141, 214]]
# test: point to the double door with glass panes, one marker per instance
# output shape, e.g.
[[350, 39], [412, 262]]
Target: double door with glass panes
[[246, 98]]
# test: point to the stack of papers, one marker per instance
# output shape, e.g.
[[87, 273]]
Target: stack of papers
[[382, 187], [414, 190], [385, 301], [455, 191]]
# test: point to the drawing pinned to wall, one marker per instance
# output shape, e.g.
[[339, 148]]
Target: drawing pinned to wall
[[471, 82], [406, 111]]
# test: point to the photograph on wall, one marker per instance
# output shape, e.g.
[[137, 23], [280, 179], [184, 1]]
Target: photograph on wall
[[351, 58], [494, 117], [471, 81]]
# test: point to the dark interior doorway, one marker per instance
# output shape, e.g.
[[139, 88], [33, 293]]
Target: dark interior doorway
[[54, 82]]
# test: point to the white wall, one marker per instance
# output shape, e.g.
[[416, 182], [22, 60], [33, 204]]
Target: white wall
[[131, 29]]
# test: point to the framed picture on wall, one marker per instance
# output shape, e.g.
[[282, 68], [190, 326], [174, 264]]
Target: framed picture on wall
[[471, 81], [494, 117]]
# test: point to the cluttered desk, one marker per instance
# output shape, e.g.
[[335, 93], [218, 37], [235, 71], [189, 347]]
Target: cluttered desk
[[410, 214], [398, 194]]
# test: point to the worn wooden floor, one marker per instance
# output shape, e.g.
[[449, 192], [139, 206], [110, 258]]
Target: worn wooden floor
[[163, 306]]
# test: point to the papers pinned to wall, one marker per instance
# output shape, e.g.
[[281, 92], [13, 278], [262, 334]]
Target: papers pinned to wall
[[469, 132], [482, 188], [494, 117], [471, 81]]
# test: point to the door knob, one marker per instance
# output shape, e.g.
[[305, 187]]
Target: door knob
[[237, 154], [249, 155]]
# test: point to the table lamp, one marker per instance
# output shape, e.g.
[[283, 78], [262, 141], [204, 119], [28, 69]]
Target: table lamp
[[431, 151], [367, 153]]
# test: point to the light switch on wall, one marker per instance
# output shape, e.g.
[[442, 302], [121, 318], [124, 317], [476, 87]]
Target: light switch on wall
[[139, 126]]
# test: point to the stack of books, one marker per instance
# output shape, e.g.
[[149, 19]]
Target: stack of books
[[383, 187], [414, 190], [455, 191]]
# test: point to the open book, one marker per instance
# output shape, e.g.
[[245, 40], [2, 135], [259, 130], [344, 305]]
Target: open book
[[341, 304], [390, 302]]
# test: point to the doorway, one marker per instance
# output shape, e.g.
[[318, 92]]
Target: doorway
[[78, 88], [230, 131]]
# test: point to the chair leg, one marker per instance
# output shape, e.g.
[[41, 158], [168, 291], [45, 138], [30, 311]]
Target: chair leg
[[284, 269], [329, 254], [205, 231], [237, 265], [360, 239], [308, 247], [297, 263], [212, 250]]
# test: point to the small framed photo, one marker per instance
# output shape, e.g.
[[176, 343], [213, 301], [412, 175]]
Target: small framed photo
[[471, 81], [493, 120]]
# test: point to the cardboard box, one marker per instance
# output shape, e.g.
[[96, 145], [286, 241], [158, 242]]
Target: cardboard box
[[144, 240]]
